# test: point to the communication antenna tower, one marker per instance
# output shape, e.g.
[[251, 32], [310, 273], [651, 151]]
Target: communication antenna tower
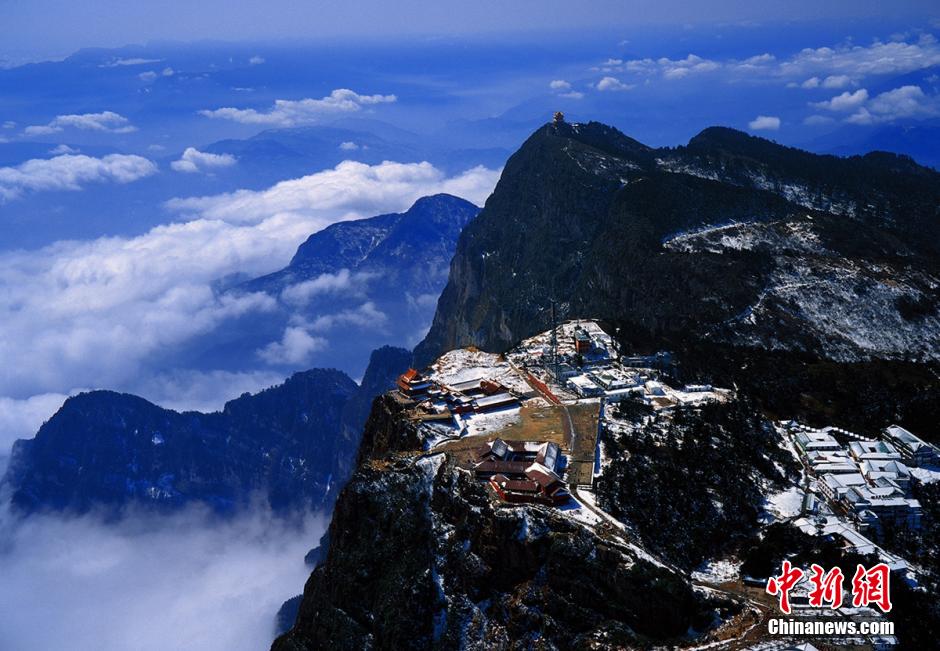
[[555, 367]]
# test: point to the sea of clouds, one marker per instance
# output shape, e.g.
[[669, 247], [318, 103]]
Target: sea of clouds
[[184, 582]]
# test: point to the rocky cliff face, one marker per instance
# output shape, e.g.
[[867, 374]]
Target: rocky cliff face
[[733, 238], [385, 365], [419, 556], [295, 444]]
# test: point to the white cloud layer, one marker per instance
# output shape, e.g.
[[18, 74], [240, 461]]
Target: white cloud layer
[[612, 84], [664, 66], [292, 113], [101, 313], [62, 149], [184, 582], [206, 391], [366, 315], [353, 187], [859, 61], [135, 61], [151, 75], [844, 102], [835, 67], [302, 338], [193, 161], [106, 121], [341, 282], [295, 347], [71, 172], [904, 102], [836, 81], [764, 123]]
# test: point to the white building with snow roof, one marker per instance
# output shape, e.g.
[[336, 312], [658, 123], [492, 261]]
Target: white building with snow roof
[[873, 451], [915, 451]]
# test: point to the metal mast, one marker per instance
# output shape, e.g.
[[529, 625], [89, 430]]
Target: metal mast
[[555, 369]]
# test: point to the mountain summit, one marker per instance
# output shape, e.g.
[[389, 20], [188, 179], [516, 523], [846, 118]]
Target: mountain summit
[[387, 244], [732, 238]]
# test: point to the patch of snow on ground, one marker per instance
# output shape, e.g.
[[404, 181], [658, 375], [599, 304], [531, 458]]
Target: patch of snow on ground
[[601, 459], [678, 167], [587, 497], [429, 466], [463, 365], [786, 503], [825, 293], [718, 571], [580, 513], [492, 421], [435, 434], [738, 236], [525, 526]]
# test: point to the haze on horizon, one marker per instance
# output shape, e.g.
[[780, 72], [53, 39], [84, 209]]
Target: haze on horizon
[[48, 28]]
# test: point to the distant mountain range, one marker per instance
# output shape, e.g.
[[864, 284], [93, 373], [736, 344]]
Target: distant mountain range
[[360, 284], [731, 238], [916, 140], [409, 252], [293, 444], [276, 154]]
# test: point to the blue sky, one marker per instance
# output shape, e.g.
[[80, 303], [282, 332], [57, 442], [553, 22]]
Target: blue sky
[[151, 156], [842, 86]]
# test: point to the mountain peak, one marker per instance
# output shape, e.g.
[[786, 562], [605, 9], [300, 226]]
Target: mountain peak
[[739, 142], [577, 197], [594, 134], [348, 243], [438, 200]]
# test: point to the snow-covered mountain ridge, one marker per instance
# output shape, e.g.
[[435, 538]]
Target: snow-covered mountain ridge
[[731, 239]]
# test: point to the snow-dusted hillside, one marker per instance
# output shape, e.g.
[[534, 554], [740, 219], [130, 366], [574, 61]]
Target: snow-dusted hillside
[[852, 307]]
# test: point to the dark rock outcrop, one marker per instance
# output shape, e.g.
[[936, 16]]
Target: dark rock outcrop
[[385, 365], [287, 614]]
